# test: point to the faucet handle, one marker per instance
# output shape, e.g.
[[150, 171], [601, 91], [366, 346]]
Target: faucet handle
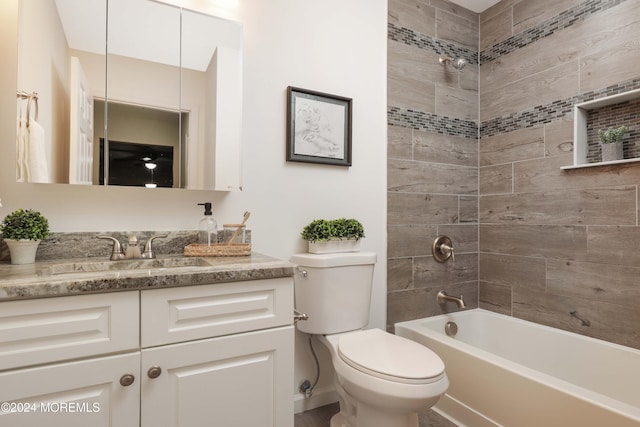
[[446, 249], [442, 249], [117, 253], [148, 252]]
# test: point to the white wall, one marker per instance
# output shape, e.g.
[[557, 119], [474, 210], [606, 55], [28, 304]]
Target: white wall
[[332, 46]]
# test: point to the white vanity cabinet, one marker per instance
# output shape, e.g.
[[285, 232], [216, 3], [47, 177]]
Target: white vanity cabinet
[[219, 354]]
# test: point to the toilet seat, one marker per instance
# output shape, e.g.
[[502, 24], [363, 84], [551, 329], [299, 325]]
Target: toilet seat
[[390, 357]]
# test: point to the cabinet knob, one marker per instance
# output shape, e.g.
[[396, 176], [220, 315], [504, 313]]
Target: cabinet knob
[[126, 380], [154, 371]]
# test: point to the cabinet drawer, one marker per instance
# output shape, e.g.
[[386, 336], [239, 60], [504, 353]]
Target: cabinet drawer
[[188, 313], [53, 329]]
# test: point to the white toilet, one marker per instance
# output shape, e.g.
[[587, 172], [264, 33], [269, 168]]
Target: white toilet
[[382, 380]]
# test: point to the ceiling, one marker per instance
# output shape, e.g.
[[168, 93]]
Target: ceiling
[[475, 5]]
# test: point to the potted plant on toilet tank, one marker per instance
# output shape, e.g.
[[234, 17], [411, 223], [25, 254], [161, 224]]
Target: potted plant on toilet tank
[[333, 235], [611, 143], [23, 230]]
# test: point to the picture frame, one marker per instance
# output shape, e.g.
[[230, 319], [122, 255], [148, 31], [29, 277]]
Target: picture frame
[[318, 127]]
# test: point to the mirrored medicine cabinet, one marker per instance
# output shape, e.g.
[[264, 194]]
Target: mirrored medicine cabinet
[[128, 93]]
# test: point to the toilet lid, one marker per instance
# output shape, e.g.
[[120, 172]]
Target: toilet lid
[[389, 356]]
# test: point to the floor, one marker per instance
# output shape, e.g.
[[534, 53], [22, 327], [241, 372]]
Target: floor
[[320, 417]]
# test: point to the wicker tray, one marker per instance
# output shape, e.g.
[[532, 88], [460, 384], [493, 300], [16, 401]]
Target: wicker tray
[[234, 249]]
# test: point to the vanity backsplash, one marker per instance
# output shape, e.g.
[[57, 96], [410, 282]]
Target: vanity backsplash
[[86, 245]]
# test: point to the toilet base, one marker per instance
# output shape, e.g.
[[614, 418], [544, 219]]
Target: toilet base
[[370, 417], [358, 414]]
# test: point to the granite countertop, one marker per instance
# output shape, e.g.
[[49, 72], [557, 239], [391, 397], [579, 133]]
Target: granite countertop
[[79, 276]]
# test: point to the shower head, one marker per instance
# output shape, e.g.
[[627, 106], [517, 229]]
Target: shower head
[[458, 64]]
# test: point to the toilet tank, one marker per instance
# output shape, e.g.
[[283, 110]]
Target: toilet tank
[[334, 290]]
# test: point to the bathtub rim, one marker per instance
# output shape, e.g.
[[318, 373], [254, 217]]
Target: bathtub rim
[[597, 399]]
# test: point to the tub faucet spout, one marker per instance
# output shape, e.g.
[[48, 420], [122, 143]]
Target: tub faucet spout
[[443, 298]]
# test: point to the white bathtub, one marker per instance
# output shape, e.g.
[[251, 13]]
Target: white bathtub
[[513, 373]]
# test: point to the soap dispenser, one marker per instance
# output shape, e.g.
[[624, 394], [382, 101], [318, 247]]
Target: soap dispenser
[[208, 227]]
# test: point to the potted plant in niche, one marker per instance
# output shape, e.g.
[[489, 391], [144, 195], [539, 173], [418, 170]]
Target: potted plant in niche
[[611, 143], [23, 230], [333, 235]]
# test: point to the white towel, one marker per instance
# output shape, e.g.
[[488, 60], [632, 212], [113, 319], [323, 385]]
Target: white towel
[[38, 166], [21, 150]]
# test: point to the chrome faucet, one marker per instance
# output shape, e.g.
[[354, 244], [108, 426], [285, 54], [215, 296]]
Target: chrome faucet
[[148, 252], [117, 253], [443, 298]]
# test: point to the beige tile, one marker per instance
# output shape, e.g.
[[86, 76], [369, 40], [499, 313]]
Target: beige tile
[[399, 274], [562, 207], [457, 103], [609, 28], [403, 93], [496, 29], [614, 245], [498, 8], [409, 240], [596, 319], [470, 78], [496, 179], [438, 148], [420, 177], [521, 144], [416, 15], [496, 298], [558, 138], [468, 210], [456, 29], [508, 270], [456, 10], [417, 208], [411, 304], [410, 77], [399, 142], [527, 14], [539, 89], [611, 283], [545, 174], [616, 64], [539, 241], [463, 236], [429, 273]]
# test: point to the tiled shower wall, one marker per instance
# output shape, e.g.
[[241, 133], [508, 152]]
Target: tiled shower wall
[[558, 247], [432, 155]]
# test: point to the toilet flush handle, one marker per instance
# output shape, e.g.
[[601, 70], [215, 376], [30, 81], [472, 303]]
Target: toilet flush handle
[[297, 316]]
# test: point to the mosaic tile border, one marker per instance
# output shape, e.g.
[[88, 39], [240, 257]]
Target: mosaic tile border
[[548, 113], [421, 41], [564, 20], [431, 122]]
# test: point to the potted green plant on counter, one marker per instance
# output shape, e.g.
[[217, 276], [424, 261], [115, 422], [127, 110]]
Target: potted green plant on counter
[[611, 143], [23, 230], [333, 235]]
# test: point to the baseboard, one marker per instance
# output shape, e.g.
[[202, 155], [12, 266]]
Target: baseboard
[[320, 397], [461, 414]]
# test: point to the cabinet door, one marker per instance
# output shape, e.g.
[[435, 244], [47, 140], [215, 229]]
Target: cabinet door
[[239, 380], [76, 394]]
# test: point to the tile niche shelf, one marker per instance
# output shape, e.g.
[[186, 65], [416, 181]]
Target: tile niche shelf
[[580, 138]]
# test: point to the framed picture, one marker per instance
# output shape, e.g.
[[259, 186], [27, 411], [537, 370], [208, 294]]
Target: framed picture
[[318, 127]]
